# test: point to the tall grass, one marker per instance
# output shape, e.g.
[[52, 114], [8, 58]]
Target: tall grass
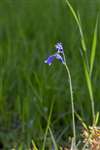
[[87, 67], [28, 30]]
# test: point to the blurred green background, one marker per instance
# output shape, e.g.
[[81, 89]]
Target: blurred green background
[[29, 29]]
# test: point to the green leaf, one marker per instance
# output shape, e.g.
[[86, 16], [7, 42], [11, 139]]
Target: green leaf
[[78, 21], [93, 49], [53, 139], [80, 119], [73, 12], [97, 118], [34, 146], [48, 126], [89, 85]]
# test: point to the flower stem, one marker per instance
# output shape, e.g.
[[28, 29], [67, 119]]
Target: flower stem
[[72, 100]]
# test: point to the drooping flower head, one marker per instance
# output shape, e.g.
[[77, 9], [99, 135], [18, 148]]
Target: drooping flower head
[[57, 55], [50, 59], [59, 47]]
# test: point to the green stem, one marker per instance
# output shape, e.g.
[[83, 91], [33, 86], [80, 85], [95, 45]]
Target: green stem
[[72, 100], [48, 125]]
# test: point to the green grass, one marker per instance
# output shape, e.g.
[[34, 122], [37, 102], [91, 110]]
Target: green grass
[[28, 87]]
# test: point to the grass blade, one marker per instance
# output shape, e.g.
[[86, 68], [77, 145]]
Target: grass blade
[[97, 118], [53, 139], [77, 19], [89, 85], [34, 146], [81, 120], [73, 12], [48, 125], [93, 49]]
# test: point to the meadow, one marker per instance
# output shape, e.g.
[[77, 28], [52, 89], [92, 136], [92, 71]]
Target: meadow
[[35, 104]]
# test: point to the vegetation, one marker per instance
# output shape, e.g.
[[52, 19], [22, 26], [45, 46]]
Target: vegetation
[[35, 107]]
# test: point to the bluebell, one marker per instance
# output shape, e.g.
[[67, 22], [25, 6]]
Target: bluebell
[[50, 59], [59, 47]]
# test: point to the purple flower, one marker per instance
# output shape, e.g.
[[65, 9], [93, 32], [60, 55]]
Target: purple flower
[[50, 59], [59, 47]]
